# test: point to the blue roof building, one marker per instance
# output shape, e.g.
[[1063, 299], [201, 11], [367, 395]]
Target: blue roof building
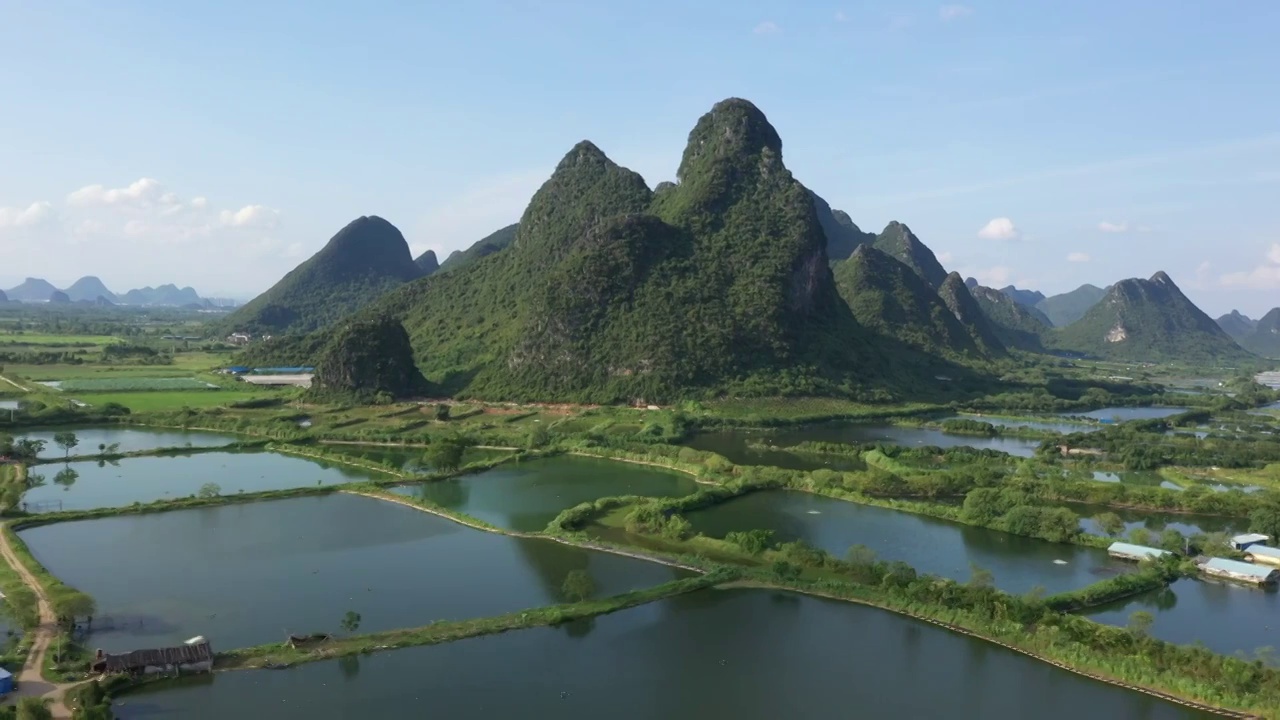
[[1242, 542], [1262, 554], [1127, 551], [1242, 571], [6, 682]]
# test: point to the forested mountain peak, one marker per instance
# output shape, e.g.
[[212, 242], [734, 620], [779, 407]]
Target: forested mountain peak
[[361, 262], [898, 241], [843, 235], [89, 288], [1237, 325], [956, 296], [368, 360], [427, 263]]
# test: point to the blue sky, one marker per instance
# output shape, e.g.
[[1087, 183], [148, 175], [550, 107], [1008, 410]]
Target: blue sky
[[219, 144]]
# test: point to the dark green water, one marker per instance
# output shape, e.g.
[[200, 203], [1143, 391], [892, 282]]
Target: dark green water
[[144, 479], [1227, 618], [409, 459], [1158, 521], [130, 439], [529, 495], [712, 655], [249, 574], [1045, 424], [737, 444], [927, 544]]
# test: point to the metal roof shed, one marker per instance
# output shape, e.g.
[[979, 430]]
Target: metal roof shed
[[1262, 554], [1128, 551], [6, 682], [1240, 542], [1243, 571]]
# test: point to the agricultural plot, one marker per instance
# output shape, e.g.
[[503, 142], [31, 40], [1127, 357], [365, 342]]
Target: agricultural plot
[[133, 384]]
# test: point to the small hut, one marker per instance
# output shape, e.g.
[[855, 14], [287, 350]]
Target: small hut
[[1244, 542], [1128, 551]]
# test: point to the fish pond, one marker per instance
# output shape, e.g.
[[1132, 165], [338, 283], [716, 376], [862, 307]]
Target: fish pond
[[742, 654], [1046, 423], [528, 495], [1123, 414], [247, 574], [771, 447], [1225, 617], [128, 439], [94, 484], [928, 544], [1156, 522]]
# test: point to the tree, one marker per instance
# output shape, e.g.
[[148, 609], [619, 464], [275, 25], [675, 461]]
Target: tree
[[753, 542], [1109, 523], [442, 412], [33, 708], [351, 621], [209, 490], [578, 586], [538, 437], [445, 455], [980, 577], [1140, 622], [1140, 536], [67, 441], [785, 570], [861, 556], [1266, 519], [66, 477]]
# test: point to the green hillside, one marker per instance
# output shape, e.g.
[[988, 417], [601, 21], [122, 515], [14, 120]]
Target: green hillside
[[608, 292], [1236, 325], [365, 260], [1064, 309], [897, 241], [488, 245], [890, 299], [1151, 321], [427, 263], [1016, 325], [1264, 337], [955, 295], [366, 361]]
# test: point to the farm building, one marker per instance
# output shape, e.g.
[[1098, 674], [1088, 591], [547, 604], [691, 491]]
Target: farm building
[[6, 682], [1262, 554], [1241, 542], [1241, 571], [1126, 551], [196, 657]]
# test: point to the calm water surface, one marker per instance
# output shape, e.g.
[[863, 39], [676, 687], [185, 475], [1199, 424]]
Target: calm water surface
[[1122, 414], [8, 404], [1227, 618], [249, 574], [929, 545], [93, 484], [528, 495], [737, 444], [1046, 424], [711, 655], [1157, 521], [130, 439]]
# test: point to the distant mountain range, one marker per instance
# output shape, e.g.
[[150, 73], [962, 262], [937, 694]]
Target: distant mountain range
[[91, 290], [735, 280], [1261, 337]]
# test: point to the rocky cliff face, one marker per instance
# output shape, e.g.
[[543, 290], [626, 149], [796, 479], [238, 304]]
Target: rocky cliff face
[[369, 360]]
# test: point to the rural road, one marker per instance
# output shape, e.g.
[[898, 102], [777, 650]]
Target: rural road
[[30, 681]]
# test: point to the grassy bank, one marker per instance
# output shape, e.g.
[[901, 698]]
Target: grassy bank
[[276, 655]]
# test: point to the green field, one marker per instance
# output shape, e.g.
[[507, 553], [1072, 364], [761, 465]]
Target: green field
[[176, 400], [23, 338], [133, 384]]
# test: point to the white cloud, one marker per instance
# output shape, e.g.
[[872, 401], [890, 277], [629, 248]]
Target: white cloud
[[954, 12], [1263, 277], [1001, 228], [199, 203], [144, 191], [256, 216], [37, 213], [945, 257], [1078, 257], [1113, 227], [768, 27]]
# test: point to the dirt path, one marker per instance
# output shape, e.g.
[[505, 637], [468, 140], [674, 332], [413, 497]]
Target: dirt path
[[30, 680], [14, 384]]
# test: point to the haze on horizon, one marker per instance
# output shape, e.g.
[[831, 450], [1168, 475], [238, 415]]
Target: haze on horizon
[[218, 146]]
